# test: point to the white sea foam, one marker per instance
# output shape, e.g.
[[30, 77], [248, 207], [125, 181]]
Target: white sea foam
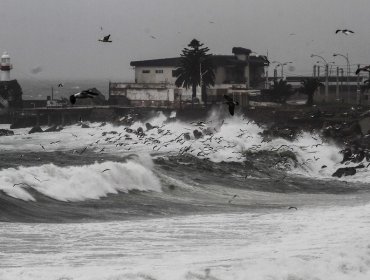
[[325, 243], [231, 137], [77, 183]]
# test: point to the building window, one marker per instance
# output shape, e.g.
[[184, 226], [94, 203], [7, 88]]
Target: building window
[[159, 71], [146, 71]]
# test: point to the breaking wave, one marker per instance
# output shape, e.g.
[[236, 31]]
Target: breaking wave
[[78, 183]]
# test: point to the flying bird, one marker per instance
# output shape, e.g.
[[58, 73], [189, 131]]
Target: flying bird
[[153, 37], [83, 94], [365, 68], [231, 104], [60, 85], [235, 195], [292, 207], [344, 31], [105, 39]]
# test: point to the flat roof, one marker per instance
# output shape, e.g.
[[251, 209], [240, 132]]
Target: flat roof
[[217, 60]]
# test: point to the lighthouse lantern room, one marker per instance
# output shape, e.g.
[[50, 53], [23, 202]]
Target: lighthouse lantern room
[[5, 67]]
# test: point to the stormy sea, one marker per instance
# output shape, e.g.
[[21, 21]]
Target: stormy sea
[[154, 200]]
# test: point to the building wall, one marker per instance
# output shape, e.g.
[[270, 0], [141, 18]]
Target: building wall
[[220, 75], [167, 75], [153, 76]]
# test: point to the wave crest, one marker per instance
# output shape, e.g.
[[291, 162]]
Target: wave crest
[[78, 183]]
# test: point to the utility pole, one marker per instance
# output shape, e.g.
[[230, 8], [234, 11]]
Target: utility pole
[[275, 74], [341, 83], [314, 70], [348, 73], [358, 92], [326, 82], [337, 87], [52, 93]]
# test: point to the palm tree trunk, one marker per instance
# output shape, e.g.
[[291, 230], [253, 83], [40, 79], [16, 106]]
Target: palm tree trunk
[[194, 88], [204, 94]]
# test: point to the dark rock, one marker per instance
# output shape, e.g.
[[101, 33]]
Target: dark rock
[[324, 166], [85, 125], [140, 131], [35, 129], [149, 126], [54, 128], [102, 124], [129, 130], [187, 136], [6, 132], [197, 134], [344, 171]]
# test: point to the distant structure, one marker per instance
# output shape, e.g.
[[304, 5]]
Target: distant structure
[[10, 90], [5, 67], [241, 74]]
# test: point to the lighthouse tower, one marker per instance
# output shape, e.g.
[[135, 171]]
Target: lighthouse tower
[[5, 67]]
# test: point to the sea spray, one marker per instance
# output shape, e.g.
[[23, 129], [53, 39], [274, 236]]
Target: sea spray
[[222, 140]]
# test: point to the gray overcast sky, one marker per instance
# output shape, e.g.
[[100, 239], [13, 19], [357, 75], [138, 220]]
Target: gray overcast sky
[[61, 36]]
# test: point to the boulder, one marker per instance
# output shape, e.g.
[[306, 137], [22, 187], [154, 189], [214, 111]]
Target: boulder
[[6, 132], [85, 125], [149, 126], [54, 128], [140, 131], [187, 136], [35, 129], [197, 134], [344, 171]]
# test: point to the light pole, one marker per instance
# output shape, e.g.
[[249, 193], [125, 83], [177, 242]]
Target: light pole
[[348, 70], [282, 66], [326, 75]]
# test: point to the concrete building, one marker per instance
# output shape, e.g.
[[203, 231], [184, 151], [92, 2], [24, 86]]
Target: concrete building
[[237, 74]]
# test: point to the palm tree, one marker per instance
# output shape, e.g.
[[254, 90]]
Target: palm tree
[[309, 87], [195, 69], [281, 91]]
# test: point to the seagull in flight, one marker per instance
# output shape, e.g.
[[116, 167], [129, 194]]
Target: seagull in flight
[[344, 31], [83, 94], [153, 37], [105, 39], [231, 103], [365, 68], [60, 85]]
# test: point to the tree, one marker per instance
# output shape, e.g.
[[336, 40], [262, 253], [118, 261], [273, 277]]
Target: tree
[[280, 91], [309, 87], [195, 69]]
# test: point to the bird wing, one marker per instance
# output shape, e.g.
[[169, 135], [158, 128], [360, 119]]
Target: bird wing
[[231, 108], [358, 71], [228, 98], [106, 38], [338, 30]]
